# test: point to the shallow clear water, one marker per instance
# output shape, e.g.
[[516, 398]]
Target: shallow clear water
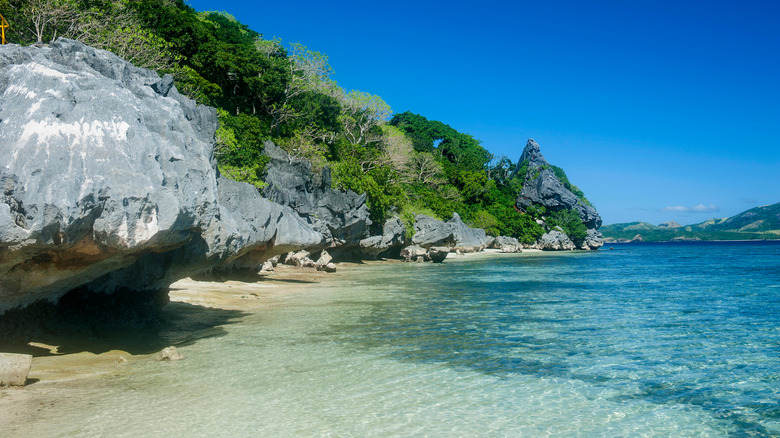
[[643, 340]]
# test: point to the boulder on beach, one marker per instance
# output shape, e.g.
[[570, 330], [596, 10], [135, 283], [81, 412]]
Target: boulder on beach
[[437, 254], [14, 369], [507, 244], [454, 234], [392, 239], [555, 240], [593, 240], [169, 354], [415, 253]]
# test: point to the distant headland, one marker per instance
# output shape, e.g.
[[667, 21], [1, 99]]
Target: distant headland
[[759, 223]]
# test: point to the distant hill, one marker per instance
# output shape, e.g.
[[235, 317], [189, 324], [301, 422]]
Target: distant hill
[[755, 224]]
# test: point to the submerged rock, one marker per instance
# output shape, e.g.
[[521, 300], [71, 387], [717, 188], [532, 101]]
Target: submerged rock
[[108, 182], [169, 353], [14, 369]]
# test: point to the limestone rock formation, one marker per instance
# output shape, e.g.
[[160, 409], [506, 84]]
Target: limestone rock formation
[[414, 253], [542, 187], [431, 232], [467, 239], [108, 181], [454, 234], [14, 369], [507, 244], [392, 239], [592, 241], [437, 254], [341, 217], [555, 240]]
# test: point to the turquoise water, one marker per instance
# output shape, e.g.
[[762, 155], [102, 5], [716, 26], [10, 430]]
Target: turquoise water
[[643, 340]]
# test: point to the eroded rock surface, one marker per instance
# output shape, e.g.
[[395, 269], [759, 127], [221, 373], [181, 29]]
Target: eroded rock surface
[[542, 187], [108, 181], [593, 240], [392, 239], [14, 369], [555, 240], [454, 234], [341, 217]]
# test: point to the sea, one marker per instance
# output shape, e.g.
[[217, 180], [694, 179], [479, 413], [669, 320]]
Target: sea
[[632, 340]]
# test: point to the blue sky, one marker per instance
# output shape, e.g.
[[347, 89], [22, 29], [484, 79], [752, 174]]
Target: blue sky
[[657, 110]]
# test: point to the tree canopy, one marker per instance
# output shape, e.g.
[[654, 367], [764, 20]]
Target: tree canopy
[[266, 90]]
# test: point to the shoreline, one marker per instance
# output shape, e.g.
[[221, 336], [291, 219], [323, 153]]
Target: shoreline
[[89, 359], [243, 295]]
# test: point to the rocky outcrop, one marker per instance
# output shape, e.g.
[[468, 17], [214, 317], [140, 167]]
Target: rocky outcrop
[[437, 254], [392, 239], [414, 253], [506, 244], [341, 217], [14, 369], [542, 187], [555, 240], [431, 232], [467, 239], [454, 234], [169, 354], [593, 241], [108, 182]]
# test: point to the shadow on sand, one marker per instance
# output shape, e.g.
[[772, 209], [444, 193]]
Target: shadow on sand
[[246, 277], [44, 329]]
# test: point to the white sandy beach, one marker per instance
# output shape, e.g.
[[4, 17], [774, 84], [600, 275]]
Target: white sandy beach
[[54, 374]]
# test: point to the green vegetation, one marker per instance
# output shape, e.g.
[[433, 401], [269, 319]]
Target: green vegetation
[[758, 223], [571, 224], [571, 187], [266, 90]]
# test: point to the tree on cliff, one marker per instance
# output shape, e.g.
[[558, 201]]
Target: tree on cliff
[[264, 90]]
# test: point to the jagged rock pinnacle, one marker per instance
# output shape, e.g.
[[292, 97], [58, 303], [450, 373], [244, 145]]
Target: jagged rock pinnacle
[[533, 154]]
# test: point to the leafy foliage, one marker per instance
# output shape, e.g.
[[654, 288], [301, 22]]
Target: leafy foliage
[[264, 90], [571, 187], [571, 224]]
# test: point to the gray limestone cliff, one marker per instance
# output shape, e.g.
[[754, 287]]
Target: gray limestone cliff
[[341, 217], [109, 184], [542, 187]]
